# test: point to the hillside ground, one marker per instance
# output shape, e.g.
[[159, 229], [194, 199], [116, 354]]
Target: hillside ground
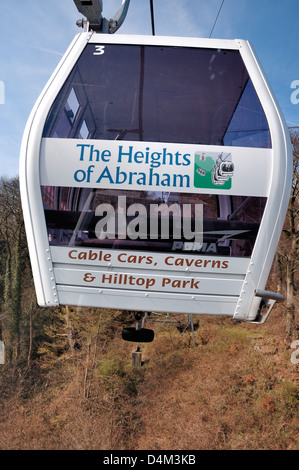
[[237, 389]]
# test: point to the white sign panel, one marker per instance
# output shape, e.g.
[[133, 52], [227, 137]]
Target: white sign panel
[[138, 165]]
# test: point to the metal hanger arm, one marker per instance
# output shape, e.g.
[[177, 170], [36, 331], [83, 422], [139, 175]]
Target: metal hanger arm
[[92, 10], [118, 19]]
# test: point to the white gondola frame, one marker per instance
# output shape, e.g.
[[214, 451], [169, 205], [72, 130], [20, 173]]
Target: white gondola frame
[[269, 232]]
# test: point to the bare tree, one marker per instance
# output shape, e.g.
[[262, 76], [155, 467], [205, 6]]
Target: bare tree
[[288, 251], [13, 242]]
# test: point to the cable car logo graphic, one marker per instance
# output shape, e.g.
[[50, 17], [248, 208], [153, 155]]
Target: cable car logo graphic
[[212, 170]]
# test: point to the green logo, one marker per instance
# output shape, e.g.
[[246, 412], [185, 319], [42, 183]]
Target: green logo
[[213, 170]]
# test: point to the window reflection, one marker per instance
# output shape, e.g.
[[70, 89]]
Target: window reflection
[[230, 223], [160, 94]]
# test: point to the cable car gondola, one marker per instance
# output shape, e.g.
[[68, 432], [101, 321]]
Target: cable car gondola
[[129, 124]]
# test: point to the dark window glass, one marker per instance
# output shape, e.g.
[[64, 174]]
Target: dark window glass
[[230, 223], [248, 126], [160, 94]]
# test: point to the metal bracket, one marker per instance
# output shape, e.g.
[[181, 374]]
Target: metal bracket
[[140, 318], [2, 353], [265, 294], [266, 305], [92, 10]]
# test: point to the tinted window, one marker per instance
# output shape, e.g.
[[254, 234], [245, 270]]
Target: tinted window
[[230, 223], [160, 94]]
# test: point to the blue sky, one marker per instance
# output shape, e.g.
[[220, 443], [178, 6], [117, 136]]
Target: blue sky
[[34, 35]]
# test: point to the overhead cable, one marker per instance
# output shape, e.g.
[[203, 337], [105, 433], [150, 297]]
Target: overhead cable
[[152, 17], [216, 18]]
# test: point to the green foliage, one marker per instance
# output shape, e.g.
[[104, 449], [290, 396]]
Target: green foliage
[[117, 377], [288, 395]]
